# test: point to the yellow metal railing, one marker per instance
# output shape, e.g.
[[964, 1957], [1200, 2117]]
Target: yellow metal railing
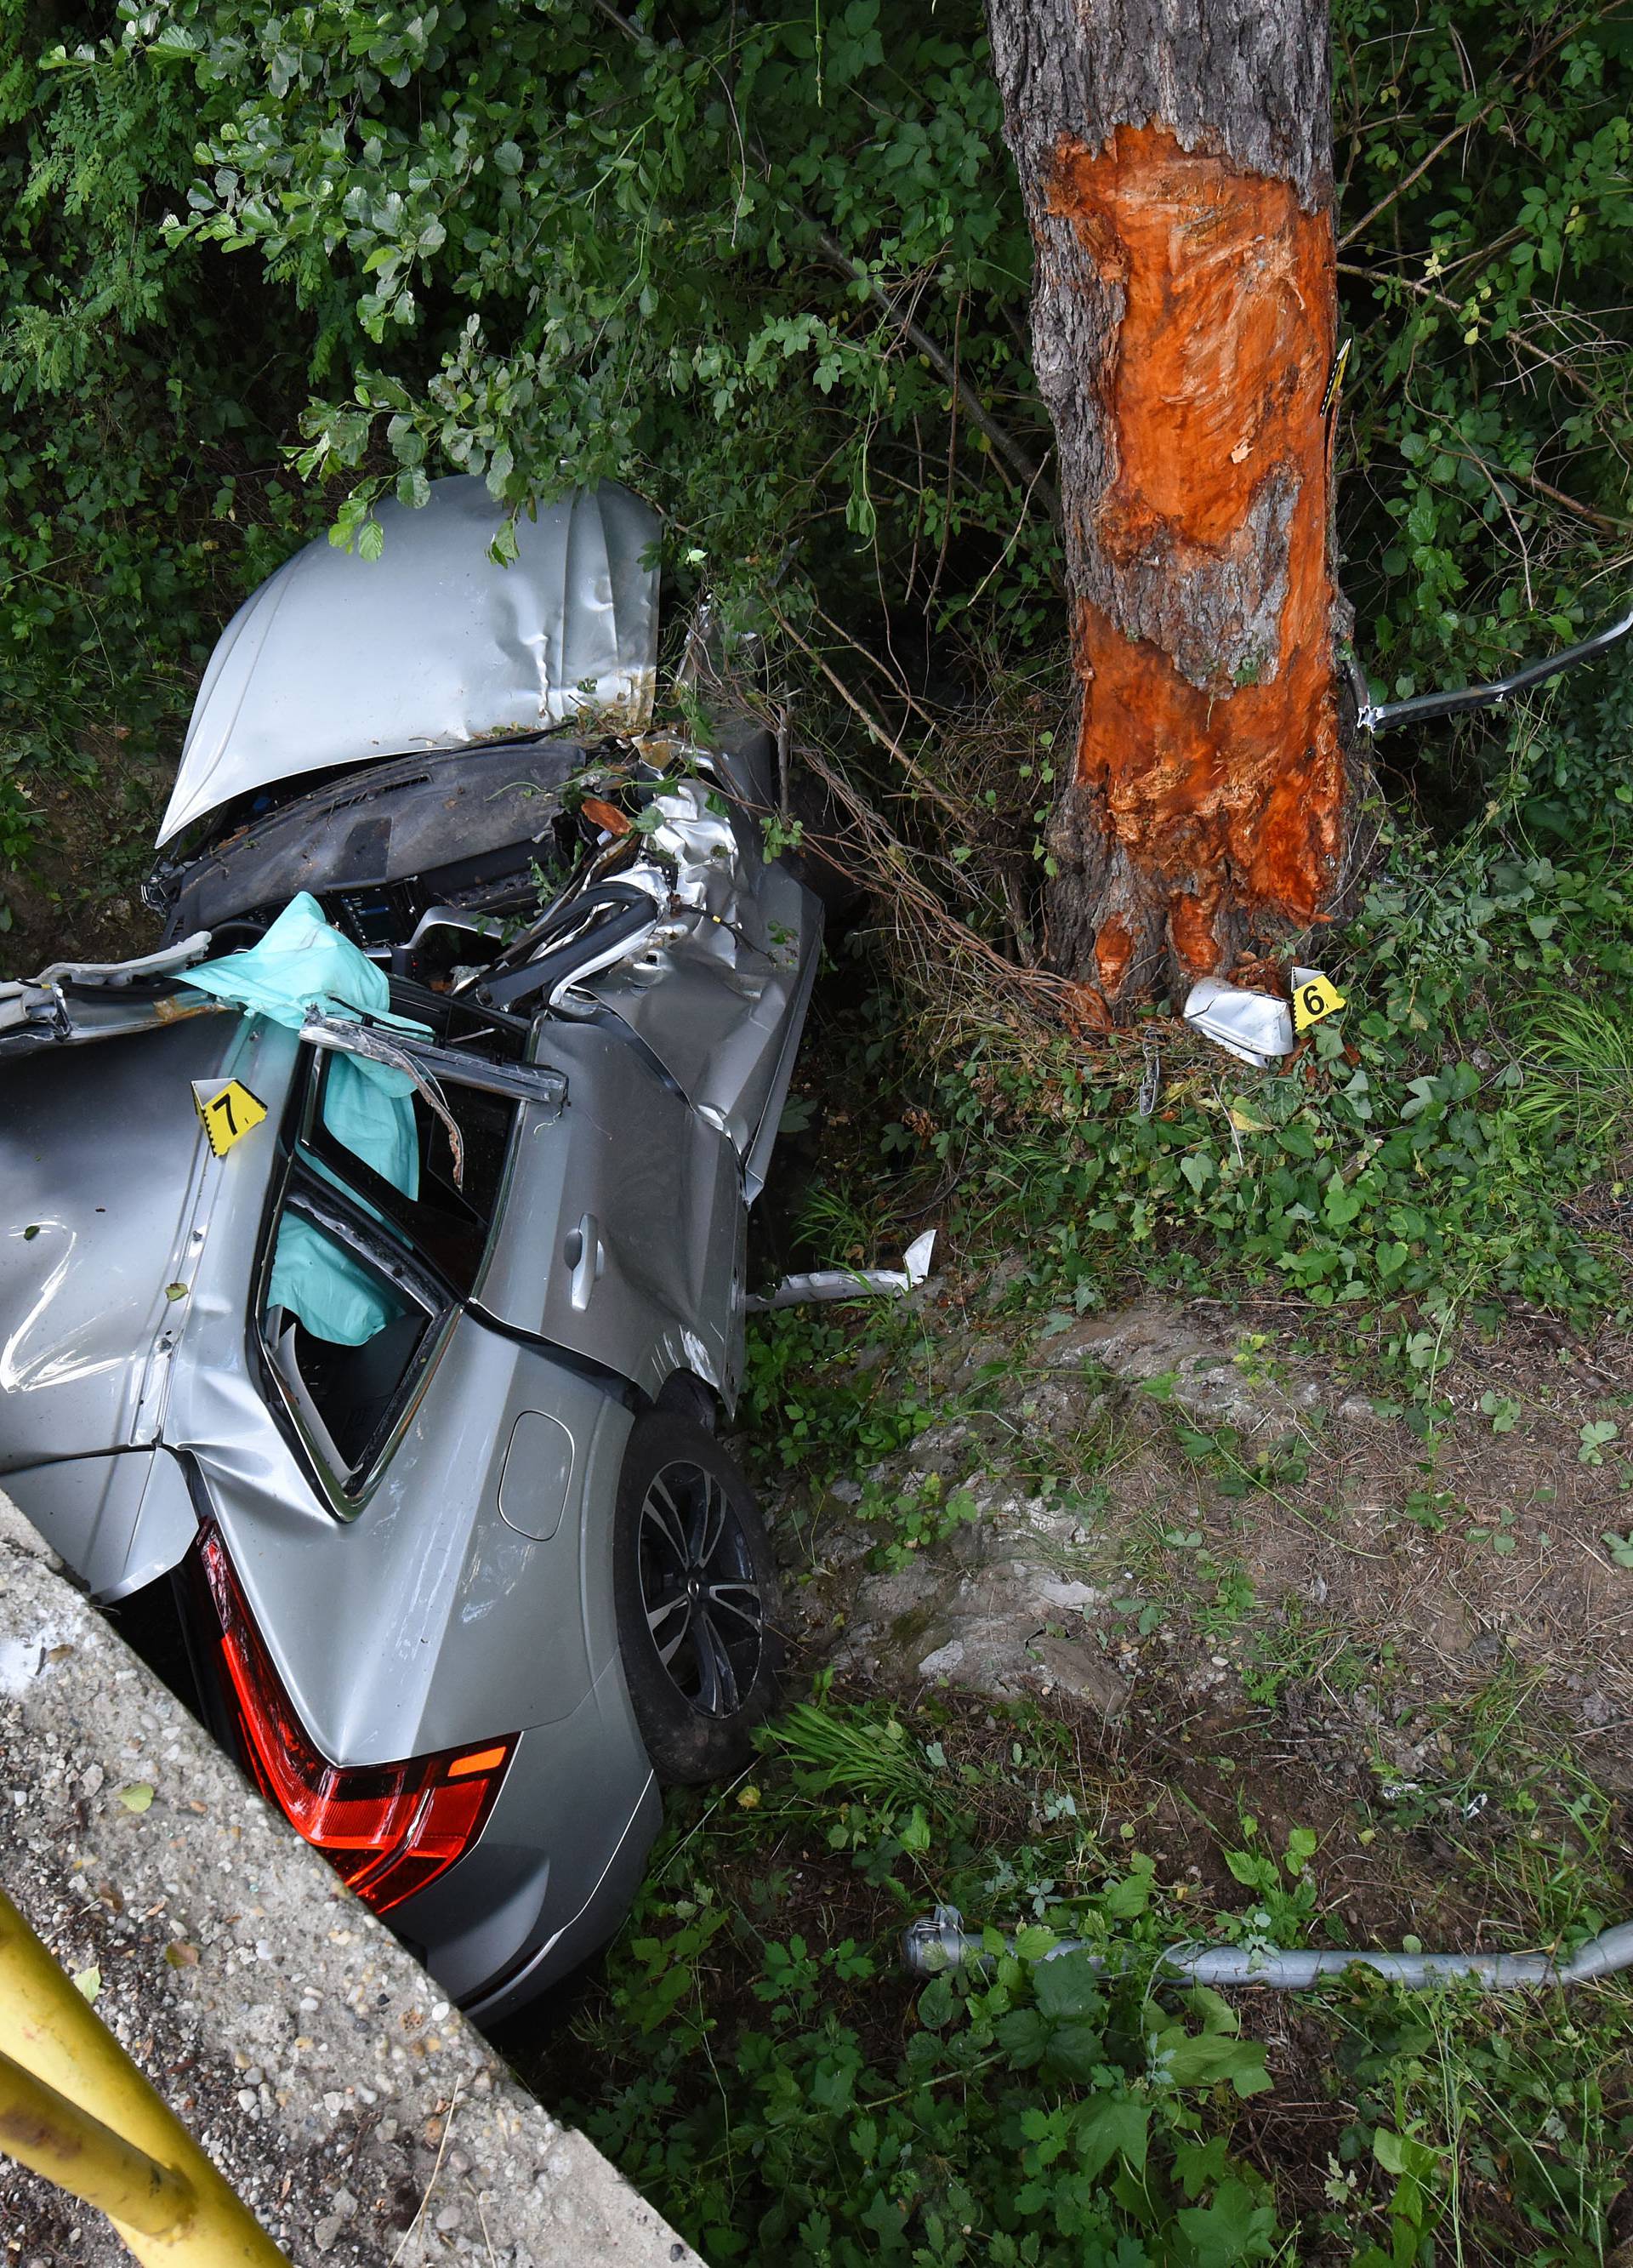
[[76, 2108]]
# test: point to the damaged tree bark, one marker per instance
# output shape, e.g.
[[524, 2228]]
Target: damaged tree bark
[[1177, 171]]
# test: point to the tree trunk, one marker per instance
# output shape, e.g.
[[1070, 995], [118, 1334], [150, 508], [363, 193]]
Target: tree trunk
[[1177, 171]]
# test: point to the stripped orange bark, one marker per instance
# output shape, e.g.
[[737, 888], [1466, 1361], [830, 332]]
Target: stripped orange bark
[[1177, 172]]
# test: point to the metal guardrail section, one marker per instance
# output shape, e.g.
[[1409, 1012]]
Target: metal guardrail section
[[74, 2108]]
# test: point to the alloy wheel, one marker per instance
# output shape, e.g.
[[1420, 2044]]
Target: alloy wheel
[[702, 1604]]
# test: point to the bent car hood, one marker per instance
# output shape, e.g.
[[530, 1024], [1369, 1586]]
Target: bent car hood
[[337, 658]]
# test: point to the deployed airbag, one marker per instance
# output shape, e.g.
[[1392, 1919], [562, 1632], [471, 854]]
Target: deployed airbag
[[303, 963], [334, 1295]]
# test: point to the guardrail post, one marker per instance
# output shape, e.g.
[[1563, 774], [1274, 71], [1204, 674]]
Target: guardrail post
[[93, 2109]]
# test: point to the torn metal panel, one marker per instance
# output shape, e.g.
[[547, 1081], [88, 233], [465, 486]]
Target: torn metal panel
[[116, 975], [119, 1520], [102, 1160], [340, 659], [853, 1283], [425, 1063], [715, 989], [125, 995], [1250, 1026]]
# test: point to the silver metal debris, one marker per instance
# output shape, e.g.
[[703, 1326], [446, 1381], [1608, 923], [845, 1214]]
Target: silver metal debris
[[938, 1941], [1150, 1081], [1381, 717], [115, 974], [851, 1282], [1250, 1026], [1254, 1027]]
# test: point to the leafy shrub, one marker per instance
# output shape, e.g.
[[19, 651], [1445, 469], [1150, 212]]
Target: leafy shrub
[[772, 2080]]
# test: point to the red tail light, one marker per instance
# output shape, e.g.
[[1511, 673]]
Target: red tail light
[[388, 1829]]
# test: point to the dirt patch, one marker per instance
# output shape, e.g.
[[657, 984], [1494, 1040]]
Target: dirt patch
[[1255, 1589]]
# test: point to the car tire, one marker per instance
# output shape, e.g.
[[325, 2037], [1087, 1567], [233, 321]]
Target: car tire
[[694, 1587]]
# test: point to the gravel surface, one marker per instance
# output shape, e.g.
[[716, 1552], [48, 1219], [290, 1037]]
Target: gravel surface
[[358, 2114]]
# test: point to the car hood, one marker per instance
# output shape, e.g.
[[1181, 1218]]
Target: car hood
[[338, 659]]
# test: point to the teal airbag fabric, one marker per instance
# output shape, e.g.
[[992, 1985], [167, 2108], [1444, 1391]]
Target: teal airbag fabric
[[302, 963], [334, 1295]]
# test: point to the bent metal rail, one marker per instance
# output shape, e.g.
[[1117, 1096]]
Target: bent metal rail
[[74, 2108]]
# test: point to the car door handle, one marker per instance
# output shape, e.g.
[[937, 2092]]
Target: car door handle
[[586, 1256]]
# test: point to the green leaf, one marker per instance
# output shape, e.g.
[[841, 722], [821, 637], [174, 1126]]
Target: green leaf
[[1236, 2227], [1122, 1900], [1404, 2154], [936, 2004], [1076, 2049], [1203, 2059], [1595, 1437], [1114, 2127], [1068, 1985], [915, 1833], [1022, 2034]]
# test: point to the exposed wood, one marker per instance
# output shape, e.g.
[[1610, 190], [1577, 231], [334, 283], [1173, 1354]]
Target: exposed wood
[[1177, 170]]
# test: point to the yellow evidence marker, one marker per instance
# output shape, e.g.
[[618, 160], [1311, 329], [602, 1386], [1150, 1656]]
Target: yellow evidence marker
[[227, 1113], [1314, 996]]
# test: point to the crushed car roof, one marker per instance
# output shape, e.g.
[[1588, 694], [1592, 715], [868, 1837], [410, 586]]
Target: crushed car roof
[[338, 659]]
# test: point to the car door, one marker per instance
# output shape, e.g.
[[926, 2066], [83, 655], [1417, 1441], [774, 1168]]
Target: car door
[[622, 1230]]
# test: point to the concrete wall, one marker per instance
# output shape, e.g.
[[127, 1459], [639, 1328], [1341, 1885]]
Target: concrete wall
[[355, 2113]]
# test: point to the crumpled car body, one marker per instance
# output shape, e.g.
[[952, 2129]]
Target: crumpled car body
[[399, 1552]]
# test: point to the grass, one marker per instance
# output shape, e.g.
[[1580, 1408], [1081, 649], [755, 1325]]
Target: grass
[[762, 2068], [1578, 1073], [781, 2091]]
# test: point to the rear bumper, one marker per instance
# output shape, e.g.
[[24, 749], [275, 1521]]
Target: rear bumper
[[558, 1862]]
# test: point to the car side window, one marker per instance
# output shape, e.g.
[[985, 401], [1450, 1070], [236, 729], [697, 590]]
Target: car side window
[[343, 1330], [449, 1215], [362, 1272]]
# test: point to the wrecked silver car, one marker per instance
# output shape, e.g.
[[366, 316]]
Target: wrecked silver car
[[373, 1255]]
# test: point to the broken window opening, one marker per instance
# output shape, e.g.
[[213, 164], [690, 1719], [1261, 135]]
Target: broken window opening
[[447, 1226], [344, 1340]]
